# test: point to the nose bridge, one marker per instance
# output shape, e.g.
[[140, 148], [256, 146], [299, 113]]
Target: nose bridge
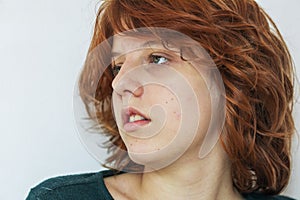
[[125, 81]]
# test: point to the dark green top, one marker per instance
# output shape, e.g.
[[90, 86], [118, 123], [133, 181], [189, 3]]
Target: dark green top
[[91, 187]]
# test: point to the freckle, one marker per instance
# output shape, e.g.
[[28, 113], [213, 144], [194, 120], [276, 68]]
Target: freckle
[[167, 102], [177, 115], [172, 99]]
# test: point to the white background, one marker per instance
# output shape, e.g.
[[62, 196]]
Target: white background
[[42, 48]]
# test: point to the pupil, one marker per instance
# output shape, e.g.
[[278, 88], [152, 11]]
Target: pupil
[[158, 59]]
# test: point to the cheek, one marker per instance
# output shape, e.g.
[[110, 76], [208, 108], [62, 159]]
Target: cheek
[[116, 107], [177, 115], [204, 104], [173, 108]]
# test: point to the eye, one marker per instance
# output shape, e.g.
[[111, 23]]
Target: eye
[[115, 68], [157, 59]]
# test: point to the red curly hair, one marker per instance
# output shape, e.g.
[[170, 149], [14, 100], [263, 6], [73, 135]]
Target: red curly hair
[[255, 65]]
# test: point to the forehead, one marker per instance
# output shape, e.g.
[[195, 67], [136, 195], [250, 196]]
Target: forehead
[[125, 43], [165, 40]]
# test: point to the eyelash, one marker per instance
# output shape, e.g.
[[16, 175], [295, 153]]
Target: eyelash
[[115, 68]]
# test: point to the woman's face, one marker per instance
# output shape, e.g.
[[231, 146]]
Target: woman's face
[[161, 103]]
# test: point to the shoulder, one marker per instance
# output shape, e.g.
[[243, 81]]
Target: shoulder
[[80, 186], [256, 196]]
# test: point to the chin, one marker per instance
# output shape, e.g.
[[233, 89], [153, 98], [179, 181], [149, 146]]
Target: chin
[[155, 159]]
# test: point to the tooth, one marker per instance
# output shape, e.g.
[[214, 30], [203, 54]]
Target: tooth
[[138, 117], [134, 118], [131, 119]]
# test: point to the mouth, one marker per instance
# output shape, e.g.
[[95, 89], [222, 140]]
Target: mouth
[[133, 119]]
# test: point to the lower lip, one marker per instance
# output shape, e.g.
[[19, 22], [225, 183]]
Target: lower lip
[[133, 126]]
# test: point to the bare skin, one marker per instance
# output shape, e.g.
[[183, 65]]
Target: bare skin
[[186, 177], [209, 179]]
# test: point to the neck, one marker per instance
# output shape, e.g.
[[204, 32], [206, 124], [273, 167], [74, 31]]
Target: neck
[[191, 178]]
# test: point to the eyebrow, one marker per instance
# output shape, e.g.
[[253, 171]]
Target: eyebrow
[[143, 45]]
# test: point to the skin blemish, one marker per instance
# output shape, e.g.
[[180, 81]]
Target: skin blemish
[[177, 115]]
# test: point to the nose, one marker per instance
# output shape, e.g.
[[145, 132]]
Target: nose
[[126, 81]]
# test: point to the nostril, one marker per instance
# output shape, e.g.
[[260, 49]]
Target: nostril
[[138, 91]]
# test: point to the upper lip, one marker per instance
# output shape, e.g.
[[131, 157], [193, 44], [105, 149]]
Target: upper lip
[[127, 112]]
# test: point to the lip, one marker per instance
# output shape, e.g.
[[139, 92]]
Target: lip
[[133, 126]]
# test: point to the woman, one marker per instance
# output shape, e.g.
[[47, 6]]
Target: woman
[[195, 99]]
